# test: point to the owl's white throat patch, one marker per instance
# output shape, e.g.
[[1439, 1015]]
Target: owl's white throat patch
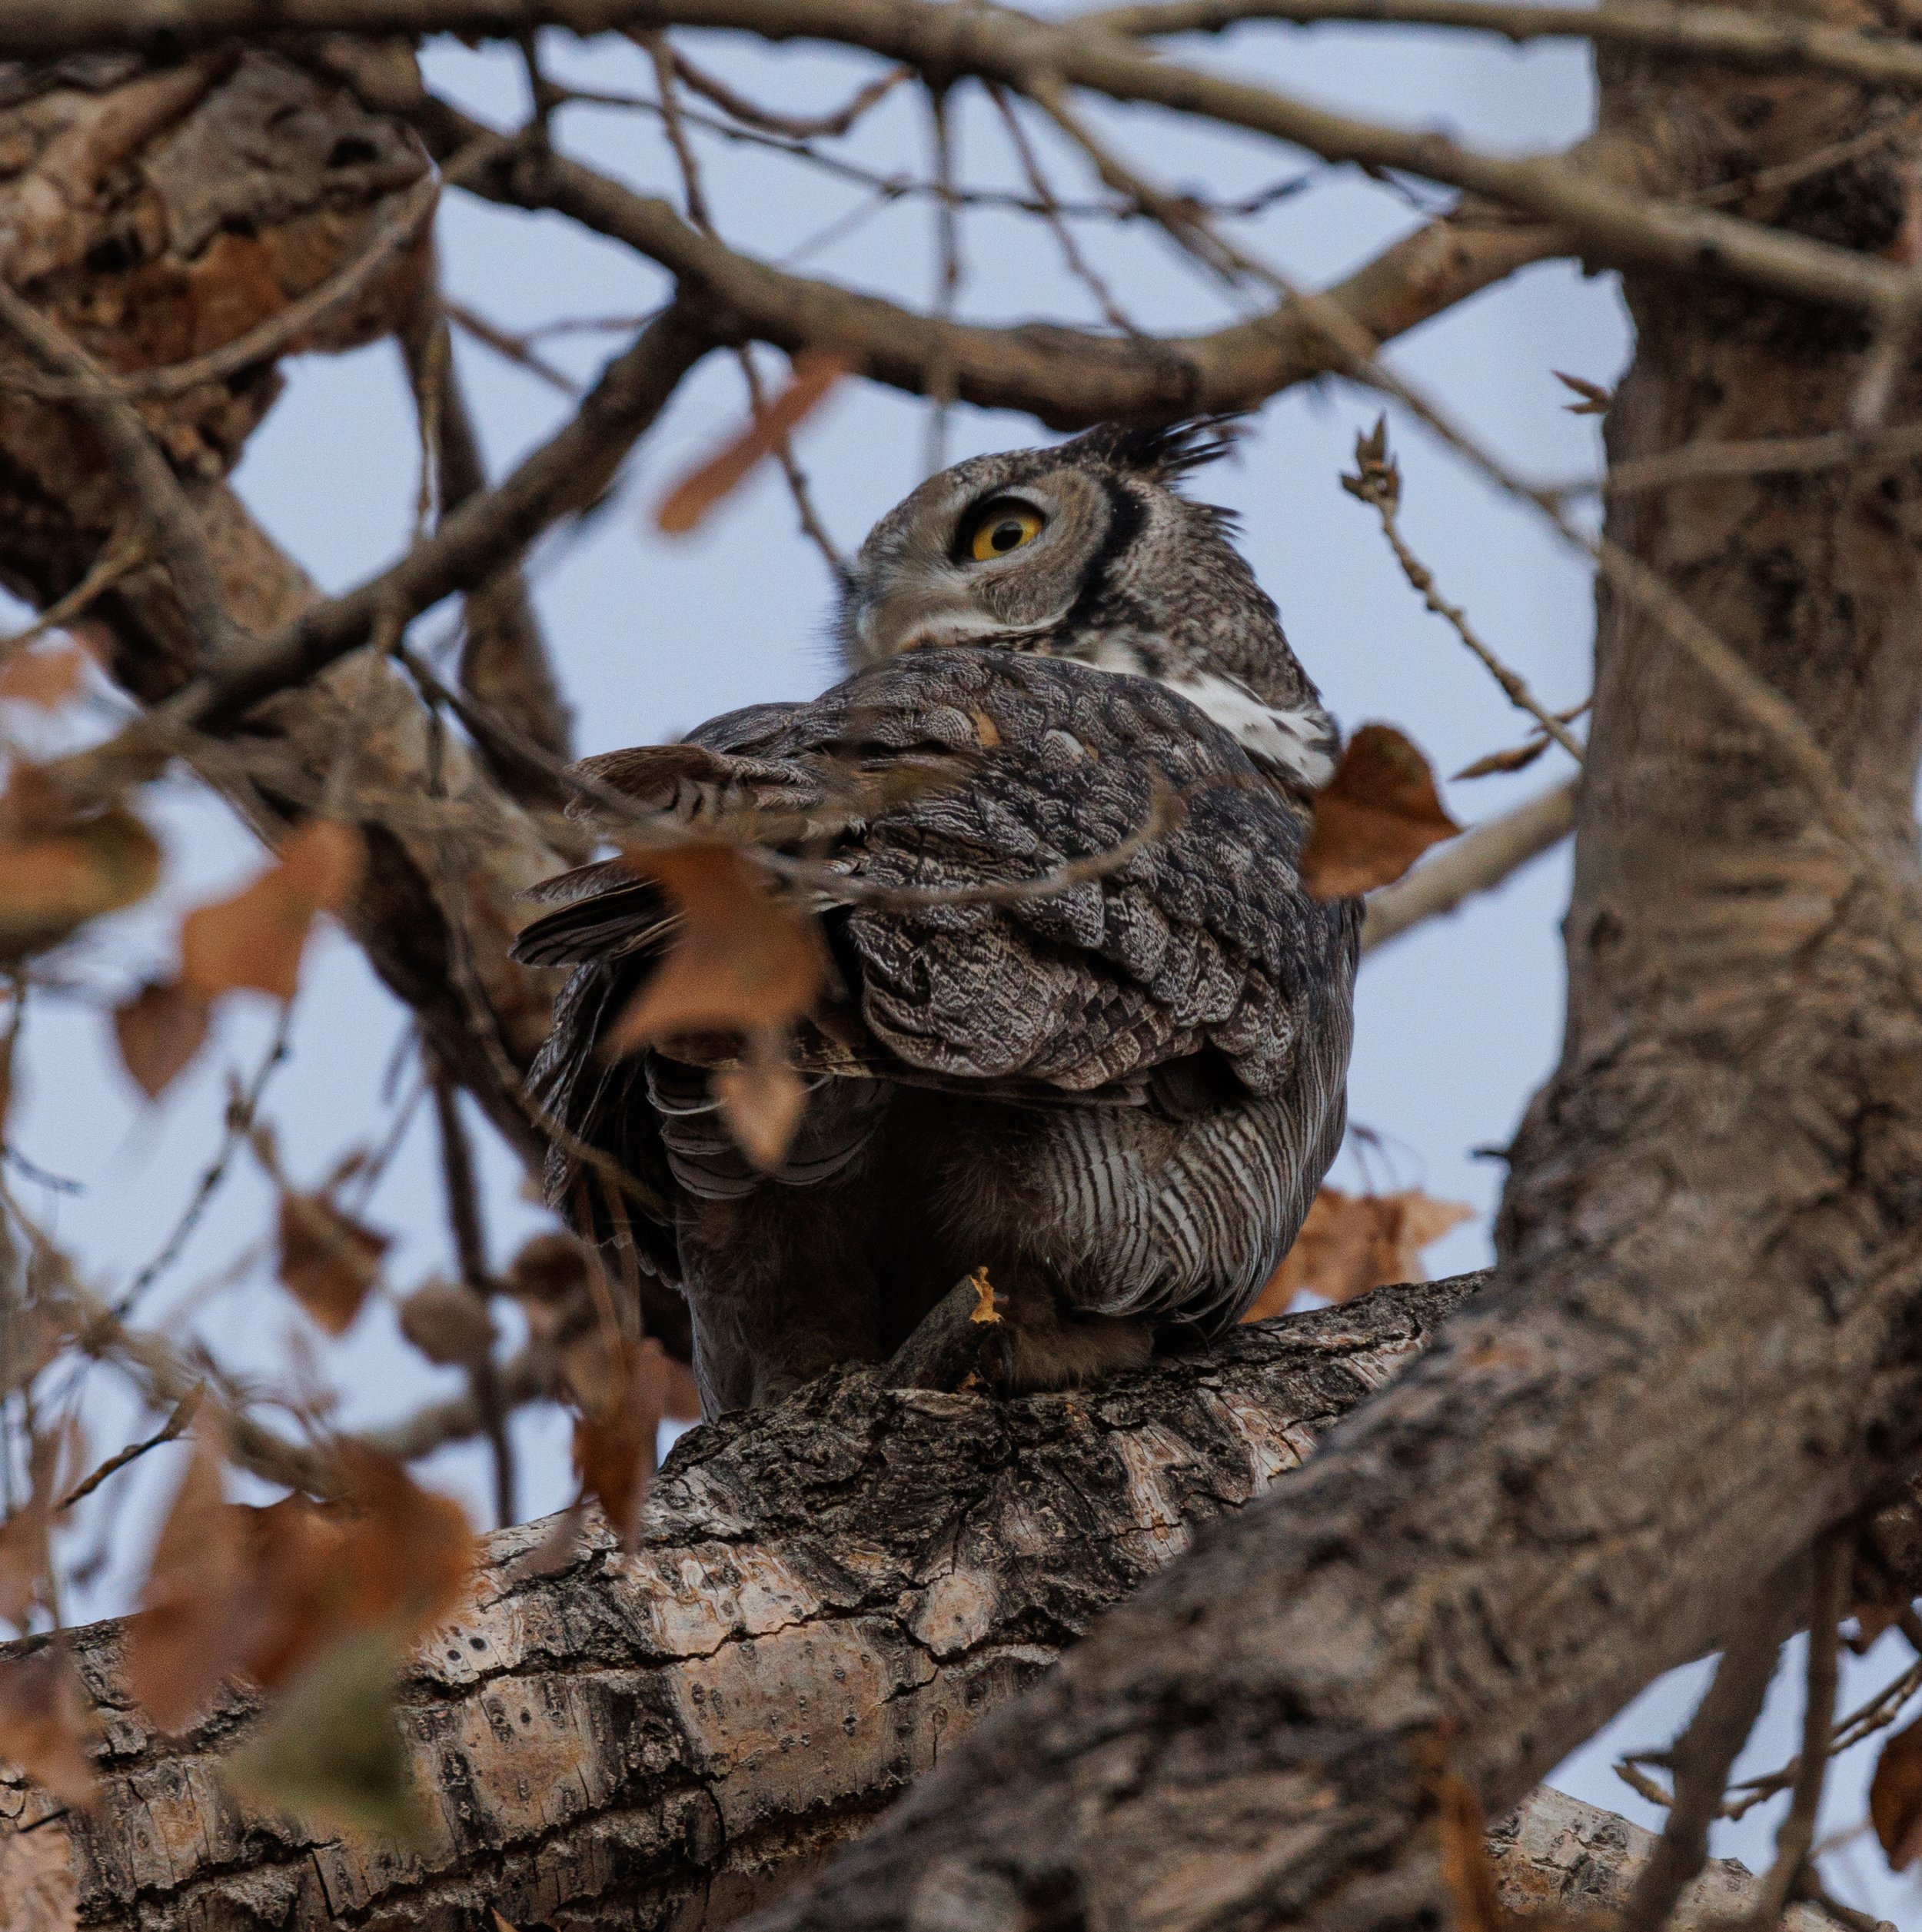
[[1297, 740]]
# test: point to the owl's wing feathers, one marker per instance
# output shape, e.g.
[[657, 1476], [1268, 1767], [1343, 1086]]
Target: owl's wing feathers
[[1201, 940]]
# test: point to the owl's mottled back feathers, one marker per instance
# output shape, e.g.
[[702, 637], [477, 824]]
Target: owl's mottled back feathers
[[1119, 1097]]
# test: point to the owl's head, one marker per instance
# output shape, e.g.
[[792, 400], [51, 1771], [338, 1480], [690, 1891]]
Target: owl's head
[[1087, 550]]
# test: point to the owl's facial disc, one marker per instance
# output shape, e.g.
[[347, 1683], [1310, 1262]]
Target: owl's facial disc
[[973, 558]]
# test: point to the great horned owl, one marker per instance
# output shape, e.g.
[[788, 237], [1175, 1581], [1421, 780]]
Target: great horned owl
[[1118, 1099]]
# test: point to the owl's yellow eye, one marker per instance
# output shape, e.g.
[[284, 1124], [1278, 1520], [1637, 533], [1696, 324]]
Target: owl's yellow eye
[[1002, 527]]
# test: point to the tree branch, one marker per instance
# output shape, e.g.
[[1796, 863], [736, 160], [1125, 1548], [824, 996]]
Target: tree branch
[[824, 1598]]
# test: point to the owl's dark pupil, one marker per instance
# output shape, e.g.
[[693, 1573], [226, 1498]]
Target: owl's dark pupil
[[1006, 535]]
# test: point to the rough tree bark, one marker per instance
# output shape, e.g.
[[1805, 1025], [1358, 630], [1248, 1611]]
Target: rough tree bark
[[824, 1598]]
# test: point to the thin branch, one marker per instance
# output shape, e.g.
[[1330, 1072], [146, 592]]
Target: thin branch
[[947, 276], [471, 1250], [1828, 1605], [1051, 212], [1068, 378], [565, 472], [701, 213], [175, 1426], [796, 127], [1377, 482], [115, 561], [1701, 1756], [1709, 33], [516, 349], [1477, 861], [944, 43]]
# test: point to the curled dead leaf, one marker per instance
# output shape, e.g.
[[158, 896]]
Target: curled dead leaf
[[1515, 758], [1895, 1798], [258, 1593], [740, 959], [719, 475], [43, 679], [1374, 818], [60, 867], [190, 1635], [255, 938], [159, 1031], [328, 1262], [615, 1438], [762, 1097], [47, 1725], [449, 1324], [1350, 1243]]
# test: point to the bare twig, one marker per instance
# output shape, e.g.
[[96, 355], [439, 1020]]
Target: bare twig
[[516, 349], [1701, 1756], [470, 1251], [1377, 482], [700, 213], [947, 277], [796, 127], [115, 561], [243, 1108], [1828, 1603], [1051, 212], [176, 1424]]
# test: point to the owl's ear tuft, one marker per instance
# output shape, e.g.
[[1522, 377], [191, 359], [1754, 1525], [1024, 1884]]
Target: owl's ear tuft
[[1164, 453]]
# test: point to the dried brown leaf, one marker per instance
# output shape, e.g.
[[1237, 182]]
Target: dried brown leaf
[[741, 961], [46, 1724], [1895, 1798], [60, 868], [1374, 818], [1465, 1856], [190, 1635], [256, 937], [1350, 1243], [45, 679], [762, 1099], [698, 492], [412, 1551], [160, 1030], [24, 1564], [549, 1269], [449, 1324], [328, 1262], [614, 1439], [38, 1891]]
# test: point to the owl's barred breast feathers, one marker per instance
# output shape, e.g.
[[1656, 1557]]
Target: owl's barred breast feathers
[[1119, 1097]]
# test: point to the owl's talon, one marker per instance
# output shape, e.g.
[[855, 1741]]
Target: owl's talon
[[956, 1347]]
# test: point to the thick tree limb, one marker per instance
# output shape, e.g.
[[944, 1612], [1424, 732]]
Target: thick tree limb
[[944, 43], [824, 1598]]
